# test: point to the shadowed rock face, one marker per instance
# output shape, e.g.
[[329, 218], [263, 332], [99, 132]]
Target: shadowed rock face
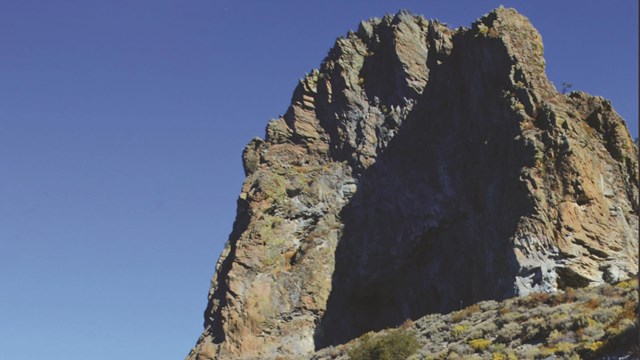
[[420, 170]]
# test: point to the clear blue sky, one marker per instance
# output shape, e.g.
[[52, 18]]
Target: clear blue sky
[[121, 128]]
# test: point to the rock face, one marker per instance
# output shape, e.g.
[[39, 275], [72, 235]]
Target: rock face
[[421, 169]]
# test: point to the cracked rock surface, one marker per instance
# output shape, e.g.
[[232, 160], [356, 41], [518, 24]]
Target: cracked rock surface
[[419, 170]]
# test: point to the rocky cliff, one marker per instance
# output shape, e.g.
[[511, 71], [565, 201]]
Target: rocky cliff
[[421, 169]]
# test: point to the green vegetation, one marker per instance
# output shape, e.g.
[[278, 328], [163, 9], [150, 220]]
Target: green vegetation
[[480, 344], [397, 344], [584, 323], [458, 330], [466, 312], [575, 323]]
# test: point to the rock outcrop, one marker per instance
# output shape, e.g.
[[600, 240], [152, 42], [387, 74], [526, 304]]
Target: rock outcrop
[[421, 169]]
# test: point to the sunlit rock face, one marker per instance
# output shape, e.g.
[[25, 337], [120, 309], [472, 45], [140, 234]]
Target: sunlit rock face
[[420, 169]]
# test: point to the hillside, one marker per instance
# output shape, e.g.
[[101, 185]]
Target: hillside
[[588, 323]]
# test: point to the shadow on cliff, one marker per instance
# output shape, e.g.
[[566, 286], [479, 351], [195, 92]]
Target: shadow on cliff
[[430, 226], [217, 300]]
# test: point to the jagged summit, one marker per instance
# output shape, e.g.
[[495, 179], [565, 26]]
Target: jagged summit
[[420, 169]]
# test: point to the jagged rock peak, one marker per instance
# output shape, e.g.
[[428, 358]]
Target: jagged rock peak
[[420, 169]]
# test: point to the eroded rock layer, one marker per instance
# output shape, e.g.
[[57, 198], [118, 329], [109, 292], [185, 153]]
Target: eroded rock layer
[[419, 170]]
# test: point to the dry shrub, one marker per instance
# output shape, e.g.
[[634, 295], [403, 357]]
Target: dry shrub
[[561, 348], [592, 303], [396, 344], [407, 324], [568, 295], [628, 284], [610, 291], [509, 332], [619, 328], [488, 328], [629, 311], [465, 313], [534, 327], [458, 330], [554, 337], [595, 346], [560, 320], [504, 310], [530, 352], [535, 299], [605, 315], [480, 344], [461, 348], [510, 317], [593, 332]]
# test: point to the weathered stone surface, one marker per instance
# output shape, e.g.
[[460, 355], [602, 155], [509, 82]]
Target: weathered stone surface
[[419, 170]]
